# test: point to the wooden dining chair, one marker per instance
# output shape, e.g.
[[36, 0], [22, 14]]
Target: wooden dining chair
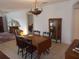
[[31, 49], [46, 34], [21, 45], [36, 32]]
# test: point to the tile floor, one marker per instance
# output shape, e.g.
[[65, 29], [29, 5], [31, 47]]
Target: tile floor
[[57, 51]]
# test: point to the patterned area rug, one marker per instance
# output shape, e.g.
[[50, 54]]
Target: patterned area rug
[[5, 36]]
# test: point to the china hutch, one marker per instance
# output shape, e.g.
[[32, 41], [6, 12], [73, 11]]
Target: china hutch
[[1, 25], [55, 25]]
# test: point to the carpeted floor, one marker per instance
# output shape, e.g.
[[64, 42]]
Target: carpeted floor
[[57, 51]]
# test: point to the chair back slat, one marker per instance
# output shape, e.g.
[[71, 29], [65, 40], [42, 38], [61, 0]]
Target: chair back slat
[[36, 32], [46, 34]]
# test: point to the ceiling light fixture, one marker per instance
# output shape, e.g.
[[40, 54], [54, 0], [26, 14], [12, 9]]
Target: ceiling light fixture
[[36, 11]]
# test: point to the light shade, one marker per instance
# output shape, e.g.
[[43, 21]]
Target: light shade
[[36, 11]]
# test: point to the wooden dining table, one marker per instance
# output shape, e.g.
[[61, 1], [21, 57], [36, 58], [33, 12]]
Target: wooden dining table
[[40, 42]]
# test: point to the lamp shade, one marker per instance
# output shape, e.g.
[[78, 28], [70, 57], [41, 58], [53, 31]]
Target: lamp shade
[[36, 11]]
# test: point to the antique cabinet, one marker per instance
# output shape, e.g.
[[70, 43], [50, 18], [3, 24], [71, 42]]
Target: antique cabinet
[[1, 25], [55, 25]]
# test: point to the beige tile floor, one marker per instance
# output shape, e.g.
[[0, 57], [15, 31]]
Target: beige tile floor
[[57, 51]]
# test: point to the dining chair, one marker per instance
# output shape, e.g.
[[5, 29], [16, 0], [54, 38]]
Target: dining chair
[[46, 34], [31, 49], [36, 32], [21, 45]]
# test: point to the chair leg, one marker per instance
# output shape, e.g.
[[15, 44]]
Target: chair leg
[[47, 51], [22, 53], [25, 55], [60, 41], [38, 56], [56, 40], [18, 50], [31, 56]]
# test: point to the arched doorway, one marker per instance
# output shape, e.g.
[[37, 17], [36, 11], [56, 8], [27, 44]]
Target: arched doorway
[[30, 22]]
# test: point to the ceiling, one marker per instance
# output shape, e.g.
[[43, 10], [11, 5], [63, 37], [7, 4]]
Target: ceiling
[[7, 5]]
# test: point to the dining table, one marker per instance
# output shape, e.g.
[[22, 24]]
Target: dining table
[[42, 43]]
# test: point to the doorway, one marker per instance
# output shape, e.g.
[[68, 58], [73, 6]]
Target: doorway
[[30, 23]]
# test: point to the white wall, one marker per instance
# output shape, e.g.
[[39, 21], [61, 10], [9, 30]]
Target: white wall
[[76, 24], [62, 10], [21, 17]]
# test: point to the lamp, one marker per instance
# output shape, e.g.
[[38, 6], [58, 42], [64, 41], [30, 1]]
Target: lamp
[[36, 11]]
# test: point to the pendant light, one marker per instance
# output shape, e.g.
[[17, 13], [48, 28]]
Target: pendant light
[[36, 10]]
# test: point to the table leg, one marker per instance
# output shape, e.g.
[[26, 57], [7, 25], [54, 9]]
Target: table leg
[[38, 56]]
